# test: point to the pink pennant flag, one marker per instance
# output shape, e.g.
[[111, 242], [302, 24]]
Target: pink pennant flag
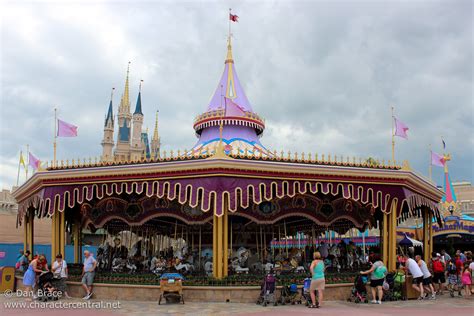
[[66, 130], [437, 159], [233, 109], [400, 128], [33, 161]]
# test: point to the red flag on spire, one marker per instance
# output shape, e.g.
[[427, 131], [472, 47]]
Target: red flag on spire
[[233, 17]]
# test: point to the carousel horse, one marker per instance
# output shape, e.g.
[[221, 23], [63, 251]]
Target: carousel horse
[[119, 265], [103, 256], [208, 268], [184, 268], [237, 268], [131, 266]]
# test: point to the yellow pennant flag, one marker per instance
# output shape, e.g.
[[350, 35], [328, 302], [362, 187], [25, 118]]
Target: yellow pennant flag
[[22, 160]]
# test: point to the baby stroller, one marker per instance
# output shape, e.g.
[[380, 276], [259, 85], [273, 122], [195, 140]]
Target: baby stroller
[[171, 287], [267, 293], [305, 292], [289, 295], [46, 290], [359, 291]]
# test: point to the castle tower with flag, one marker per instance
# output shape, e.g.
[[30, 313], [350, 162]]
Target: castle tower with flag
[[132, 142], [449, 200], [229, 117]]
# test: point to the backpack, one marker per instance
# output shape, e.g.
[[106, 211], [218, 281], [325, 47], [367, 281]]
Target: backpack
[[438, 266], [451, 268]]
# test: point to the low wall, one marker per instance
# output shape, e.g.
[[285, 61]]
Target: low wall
[[234, 294]]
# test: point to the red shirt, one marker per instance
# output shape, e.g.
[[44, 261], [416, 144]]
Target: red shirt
[[459, 266]]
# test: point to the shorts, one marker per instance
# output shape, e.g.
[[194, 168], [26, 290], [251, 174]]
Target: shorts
[[418, 280], [452, 279], [427, 281], [375, 283], [88, 278], [317, 284], [438, 277]]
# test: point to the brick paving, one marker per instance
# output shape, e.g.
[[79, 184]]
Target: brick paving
[[442, 306]]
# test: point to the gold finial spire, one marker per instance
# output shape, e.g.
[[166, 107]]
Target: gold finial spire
[[140, 86], [155, 132], [229, 58], [447, 157], [126, 93]]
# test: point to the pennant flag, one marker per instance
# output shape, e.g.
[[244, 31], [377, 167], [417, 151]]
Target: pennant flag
[[22, 160], [233, 17], [33, 161], [232, 108], [437, 159], [66, 130], [400, 128], [444, 144]]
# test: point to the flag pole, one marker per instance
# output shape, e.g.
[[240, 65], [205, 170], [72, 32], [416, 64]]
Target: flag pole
[[19, 164], [27, 160], [230, 12], [431, 166], [393, 140], [55, 136]]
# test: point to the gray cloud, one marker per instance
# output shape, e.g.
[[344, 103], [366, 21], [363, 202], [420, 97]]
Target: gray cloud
[[323, 74]]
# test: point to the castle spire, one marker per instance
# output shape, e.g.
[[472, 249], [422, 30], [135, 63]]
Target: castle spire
[[110, 114], [125, 102], [155, 132], [229, 58], [138, 107]]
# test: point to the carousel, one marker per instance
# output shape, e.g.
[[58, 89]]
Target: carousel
[[228, 205]]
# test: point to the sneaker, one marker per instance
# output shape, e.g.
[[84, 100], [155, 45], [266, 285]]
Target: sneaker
[[379, 302], [89, 295], [433, 297], [373, 302], [459, 294], [420, 298], [86, 297]]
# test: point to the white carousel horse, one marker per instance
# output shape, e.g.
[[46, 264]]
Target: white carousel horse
[[184, 267], [208, 268], [237, 268]]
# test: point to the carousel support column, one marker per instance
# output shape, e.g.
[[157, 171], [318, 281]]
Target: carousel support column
[[54, 234], [31, 232], [25, 233], [385, 238], [392, 232], [430, 234], [220, 247], [214, 245], [225, 222], [62, 233], [426, 237], [77, 242]]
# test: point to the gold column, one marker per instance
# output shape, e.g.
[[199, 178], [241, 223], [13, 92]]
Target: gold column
[[226, 241], [392, 232], [431, 236], [25, 233], [220, 247], [77, 242], [54, 234], [385, 239], [214, 245], [62, 233], [31, 232], [426, 237]]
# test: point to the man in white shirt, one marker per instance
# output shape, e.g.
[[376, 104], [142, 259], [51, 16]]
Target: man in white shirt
[[427, 282], [417, 274]]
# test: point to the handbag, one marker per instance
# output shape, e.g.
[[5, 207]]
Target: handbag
[[57, 275]]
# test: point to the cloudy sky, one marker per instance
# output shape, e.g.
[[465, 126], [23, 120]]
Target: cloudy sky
[[323, 73]]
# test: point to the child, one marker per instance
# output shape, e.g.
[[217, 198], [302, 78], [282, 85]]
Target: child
[[452, 278], [466, 279]]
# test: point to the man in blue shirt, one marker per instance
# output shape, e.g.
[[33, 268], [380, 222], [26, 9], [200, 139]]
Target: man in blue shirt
[[88, 273]]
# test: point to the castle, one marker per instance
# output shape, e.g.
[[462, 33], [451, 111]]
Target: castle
[[132, 143]]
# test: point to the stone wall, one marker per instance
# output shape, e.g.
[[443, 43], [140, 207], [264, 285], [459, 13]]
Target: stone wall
[[236, 294]]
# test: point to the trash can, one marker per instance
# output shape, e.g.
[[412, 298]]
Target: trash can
[[7, 279]]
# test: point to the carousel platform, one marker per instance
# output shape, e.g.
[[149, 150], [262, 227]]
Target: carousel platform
[[222, 294]]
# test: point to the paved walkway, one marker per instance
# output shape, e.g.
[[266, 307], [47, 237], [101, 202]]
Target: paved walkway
[[442, 306]]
